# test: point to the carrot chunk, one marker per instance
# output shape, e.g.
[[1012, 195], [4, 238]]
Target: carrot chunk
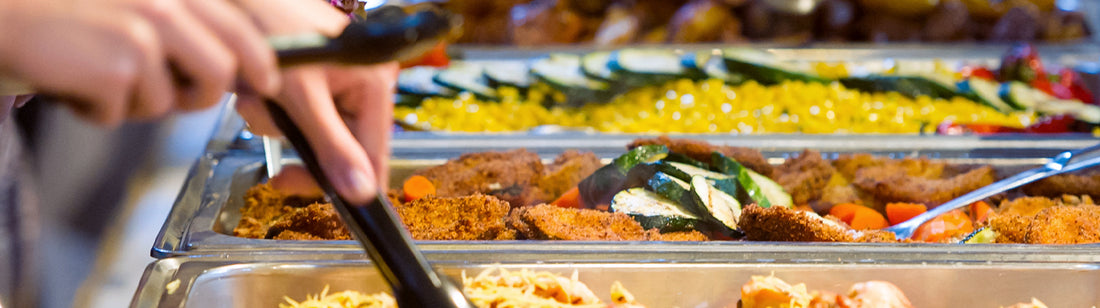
[[899, 212], [417, 187], [571, 199]]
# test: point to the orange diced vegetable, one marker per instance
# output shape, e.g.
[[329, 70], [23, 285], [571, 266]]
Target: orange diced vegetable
[[950, 225], [858, 216], [417, 187], [868, 219], [845, 211], [899, 212], [570, 199], [979, 211]]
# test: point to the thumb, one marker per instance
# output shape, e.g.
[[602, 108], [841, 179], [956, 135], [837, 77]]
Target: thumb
[[309, 103]]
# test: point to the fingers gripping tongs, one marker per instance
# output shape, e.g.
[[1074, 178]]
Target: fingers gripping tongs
[[375, 225]]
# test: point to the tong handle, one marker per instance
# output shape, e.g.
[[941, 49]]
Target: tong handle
[[379, 230]]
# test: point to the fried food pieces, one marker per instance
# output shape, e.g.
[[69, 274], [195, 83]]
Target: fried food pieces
[[783, 224], [318, 221], [895, 183], [1040, 220], [567, 170], [701, 151], [516, 176], [548, 222], [1076, 184], [510, 176], [265, 206], [474, 217], [805, 177]]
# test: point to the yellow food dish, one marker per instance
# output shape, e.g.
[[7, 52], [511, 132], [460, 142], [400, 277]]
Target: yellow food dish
[[711, 106]]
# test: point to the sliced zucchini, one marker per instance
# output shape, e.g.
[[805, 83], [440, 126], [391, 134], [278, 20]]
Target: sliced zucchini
[[684, 159], [721, 206], [764, 67], [911, 86], [641, 67], [595, 65], [654, 211], [1022, 96], [599, 187], [1080, 111], [713, 66], [417, 82], [509, 74], [984, 235], [685, 172], [673, 189], [1026, 97], [773, 191], [563, 73], [985, 92], [467, 78], [755, 188]]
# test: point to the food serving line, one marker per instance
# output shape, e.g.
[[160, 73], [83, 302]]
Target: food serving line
[[201, 264]]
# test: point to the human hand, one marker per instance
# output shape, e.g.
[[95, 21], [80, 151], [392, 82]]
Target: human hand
[[111, 57], [346, 112]]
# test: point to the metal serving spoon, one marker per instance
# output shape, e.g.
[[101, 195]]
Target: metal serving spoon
[[1057, 165]]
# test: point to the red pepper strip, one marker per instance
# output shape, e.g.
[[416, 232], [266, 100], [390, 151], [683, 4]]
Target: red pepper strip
[[977, 71], [1070, 79], [1052, 124], [1054, 89]]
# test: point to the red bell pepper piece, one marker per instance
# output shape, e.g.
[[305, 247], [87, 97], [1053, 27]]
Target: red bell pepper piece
[[977, 71], [1072, 81], [1052, 125]]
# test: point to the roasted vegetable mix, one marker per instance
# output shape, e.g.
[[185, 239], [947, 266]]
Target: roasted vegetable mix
[[744, 91]]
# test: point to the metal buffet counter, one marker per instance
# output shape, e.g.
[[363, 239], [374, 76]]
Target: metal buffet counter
[[201, 264]]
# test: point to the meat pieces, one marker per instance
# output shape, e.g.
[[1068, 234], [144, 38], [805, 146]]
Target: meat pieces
[[778, 223], [548, 222], [510, 176], [1070, 184], [567, 170], [805, 177], [318, 221], [474, 217], [701, 151], [1039, 220], [263, 204], [897, 183]]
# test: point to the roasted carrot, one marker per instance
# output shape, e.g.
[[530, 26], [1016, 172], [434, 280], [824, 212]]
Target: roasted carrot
[[845, 211], [571, 198], [898, 212], [858, 216], [979, 211], [947, 226], [417, 187], [867, 218]]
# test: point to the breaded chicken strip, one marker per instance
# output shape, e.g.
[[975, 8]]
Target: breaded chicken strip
[[1040, 220], [805, 176], [897, 183], [548, 222], [474, 217], [1066, 184], [778, 223], [566, 171], [701, 151], [318, 221], [510, 176], [682, 236]]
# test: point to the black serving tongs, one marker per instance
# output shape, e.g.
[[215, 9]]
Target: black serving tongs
[[415, 284]]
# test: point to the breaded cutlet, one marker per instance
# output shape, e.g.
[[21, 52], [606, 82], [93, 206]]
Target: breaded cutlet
[[474, 217]]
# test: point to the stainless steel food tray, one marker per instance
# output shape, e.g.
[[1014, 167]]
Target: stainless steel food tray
[[1084, 57], [207, 209], [263, 281]]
